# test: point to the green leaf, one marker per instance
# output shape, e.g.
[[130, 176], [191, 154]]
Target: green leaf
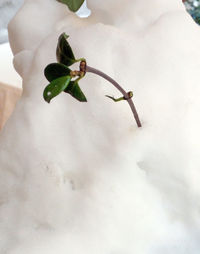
[[74, 90], [64, 52], [73, 5], [56, 87], [56, 70]]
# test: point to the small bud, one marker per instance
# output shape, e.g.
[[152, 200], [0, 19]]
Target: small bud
[[83, 66], [74, 73], [130, 94]]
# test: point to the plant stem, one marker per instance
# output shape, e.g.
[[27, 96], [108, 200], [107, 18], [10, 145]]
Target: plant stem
[[126, 96]]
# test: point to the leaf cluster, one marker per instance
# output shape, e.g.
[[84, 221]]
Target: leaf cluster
[[59, 74]]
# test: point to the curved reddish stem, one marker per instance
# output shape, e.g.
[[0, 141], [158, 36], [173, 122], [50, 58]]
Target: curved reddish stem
[[125, 94]]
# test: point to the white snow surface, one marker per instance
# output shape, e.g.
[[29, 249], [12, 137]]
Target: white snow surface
[[8, 75], [81, 178]]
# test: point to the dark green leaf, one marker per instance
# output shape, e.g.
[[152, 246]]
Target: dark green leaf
[[56, 70], [56, 87], [64, 52], [75, 91], [73, 5]]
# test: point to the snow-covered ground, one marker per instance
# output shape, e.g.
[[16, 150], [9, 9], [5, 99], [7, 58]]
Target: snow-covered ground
[[81, 177]]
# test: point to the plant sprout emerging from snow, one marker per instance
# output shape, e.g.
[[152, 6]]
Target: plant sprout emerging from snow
[[63, 79]]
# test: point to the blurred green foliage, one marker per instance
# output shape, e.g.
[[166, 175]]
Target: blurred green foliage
[[193, 7]]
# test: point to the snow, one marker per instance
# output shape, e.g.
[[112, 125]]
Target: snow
[[8, 75], [8, 8], [83, 11], [82, 178]]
